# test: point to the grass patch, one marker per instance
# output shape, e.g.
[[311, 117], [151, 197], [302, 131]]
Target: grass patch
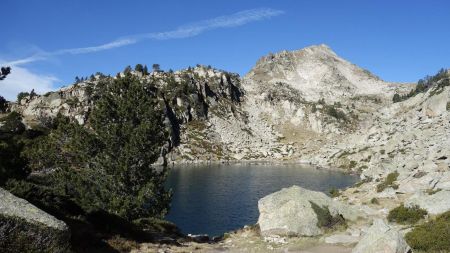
[[325, 219], [431, 191], [334, 192], [406, 215], [365, 180], [374, 201], [388, 182], [432, 236]]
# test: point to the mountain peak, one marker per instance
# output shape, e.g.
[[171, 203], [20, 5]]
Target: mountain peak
[[317, 72], [318, 48]]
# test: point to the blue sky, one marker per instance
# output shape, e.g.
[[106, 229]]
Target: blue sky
[[396, 40]]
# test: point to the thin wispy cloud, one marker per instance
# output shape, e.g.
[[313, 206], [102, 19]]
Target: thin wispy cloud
[[185, 31]]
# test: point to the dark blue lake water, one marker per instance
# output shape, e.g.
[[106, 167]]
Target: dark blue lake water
[[213, 199]]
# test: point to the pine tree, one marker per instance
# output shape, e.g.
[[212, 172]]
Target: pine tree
[[139, 68], [127, 70], [4, 71], [108, 166], [156, 67], [145, 70], [396, 98]]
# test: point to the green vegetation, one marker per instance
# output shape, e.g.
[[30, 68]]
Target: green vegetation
[[4, 71], [432, 236], [431, 191], [13, 137], [324, 217], [334, 192], [352, 164], [3, 104], [406, 215], [19, 232], [438, 81], [388, 182], [98, 179], [397, 98], [336, 113], [374, 201], [156, 67], [108, 167], [21, 96], [139, 68], [72, 101], [365, 180]]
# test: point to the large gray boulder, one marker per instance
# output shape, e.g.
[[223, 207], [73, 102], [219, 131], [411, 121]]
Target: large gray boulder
[[436, 203], [26, 228], [381, 238], [291, 212]]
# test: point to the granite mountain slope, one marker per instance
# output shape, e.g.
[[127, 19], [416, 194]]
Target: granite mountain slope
[[287, 107]]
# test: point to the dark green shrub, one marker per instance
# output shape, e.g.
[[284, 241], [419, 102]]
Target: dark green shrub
[[333, 112], [72, 102], [24, 236], [139, 68], [431, 191], [406, 215], [3, 104], [432, 236], [13, 137], [388, 182], [21, 96], [438, 81], [334, 192], [324, 217], [396, 98], [374, 201], [109, 166]]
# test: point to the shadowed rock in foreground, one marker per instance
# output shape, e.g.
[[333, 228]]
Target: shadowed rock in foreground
[[25, 228]]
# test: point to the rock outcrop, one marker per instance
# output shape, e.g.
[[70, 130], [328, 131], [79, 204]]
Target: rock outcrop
[[296, 211], [435, 203], [25, 228], [381, 238]]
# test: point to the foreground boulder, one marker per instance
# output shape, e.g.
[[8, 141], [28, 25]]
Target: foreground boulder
[[296, 211], [381, 238], [25, 228]]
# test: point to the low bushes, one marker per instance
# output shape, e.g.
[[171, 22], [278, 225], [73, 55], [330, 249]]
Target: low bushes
[[334, 192], [406, 215], [432, 236], [325, 219], [374, 201], [388, 182]]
